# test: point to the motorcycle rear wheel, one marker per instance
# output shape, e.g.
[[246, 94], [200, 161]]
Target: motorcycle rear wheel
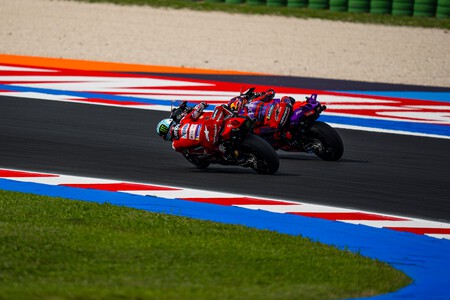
[[330, 145], [263, 158]]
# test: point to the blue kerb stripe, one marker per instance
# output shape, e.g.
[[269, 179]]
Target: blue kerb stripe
[[389, 125], [422, 258], [430, 96]]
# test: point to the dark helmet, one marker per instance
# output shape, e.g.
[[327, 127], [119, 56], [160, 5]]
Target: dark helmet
[[237, 103]]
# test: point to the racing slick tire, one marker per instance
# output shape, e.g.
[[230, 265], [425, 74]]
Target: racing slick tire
[[193, 159], [264, 159], [332, 147]]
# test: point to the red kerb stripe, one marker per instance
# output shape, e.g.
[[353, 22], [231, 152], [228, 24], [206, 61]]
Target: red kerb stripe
[[11, 173], [121, 186], [347, 216], [239, 201]]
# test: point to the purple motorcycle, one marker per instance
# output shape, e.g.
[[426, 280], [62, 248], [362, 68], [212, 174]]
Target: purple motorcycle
[[302, 132]]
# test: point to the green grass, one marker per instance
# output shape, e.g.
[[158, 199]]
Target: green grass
[[290, 12], [52, 248]]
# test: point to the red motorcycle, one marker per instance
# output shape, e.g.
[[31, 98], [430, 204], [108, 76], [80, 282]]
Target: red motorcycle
[[238, 146], [301, 132]]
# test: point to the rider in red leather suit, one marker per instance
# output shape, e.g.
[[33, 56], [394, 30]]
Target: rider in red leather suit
[[268, 113], [195, 131]]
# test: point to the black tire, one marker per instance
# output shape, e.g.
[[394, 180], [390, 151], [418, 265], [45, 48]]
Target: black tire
[[266, 158], [193, 159], [332, 147]]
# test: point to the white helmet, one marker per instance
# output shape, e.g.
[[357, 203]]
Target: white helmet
[[163, 129]]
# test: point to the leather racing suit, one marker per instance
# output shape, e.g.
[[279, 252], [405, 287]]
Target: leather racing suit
[[199, 132], [269, 114]]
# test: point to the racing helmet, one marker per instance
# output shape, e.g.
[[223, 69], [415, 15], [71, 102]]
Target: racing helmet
[[237, 103], [164, 129]]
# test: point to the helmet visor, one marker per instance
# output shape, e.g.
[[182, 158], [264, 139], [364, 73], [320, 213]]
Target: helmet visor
[[169, 135]]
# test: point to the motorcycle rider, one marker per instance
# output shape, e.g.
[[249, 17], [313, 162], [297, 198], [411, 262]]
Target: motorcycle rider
[[190, 129], [269, 114]]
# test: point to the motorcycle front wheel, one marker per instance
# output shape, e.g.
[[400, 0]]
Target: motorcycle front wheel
[[326, 142], [261, 156], [193, 159]]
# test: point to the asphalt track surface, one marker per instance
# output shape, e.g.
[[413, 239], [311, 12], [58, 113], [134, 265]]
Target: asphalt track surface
[[386, 173]]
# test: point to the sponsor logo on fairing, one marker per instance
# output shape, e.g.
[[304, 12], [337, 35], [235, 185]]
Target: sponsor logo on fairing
[[285, 115], [194, 132], [270, 112], [184, 131], [215, 134], [197, 132], [206, 133]]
